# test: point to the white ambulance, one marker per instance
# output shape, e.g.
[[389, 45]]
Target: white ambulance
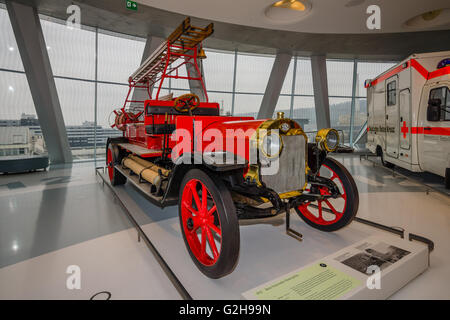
[[409, 114]]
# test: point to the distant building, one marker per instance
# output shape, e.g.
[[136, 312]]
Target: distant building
[[24, 136]]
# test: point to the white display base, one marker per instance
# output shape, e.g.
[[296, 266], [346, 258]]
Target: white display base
[[268, 253], [343, 275]]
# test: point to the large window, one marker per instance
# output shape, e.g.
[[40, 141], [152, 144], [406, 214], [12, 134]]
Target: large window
[[91, 68], [20, 133], [346, 92], [365, 71], [340, 86]]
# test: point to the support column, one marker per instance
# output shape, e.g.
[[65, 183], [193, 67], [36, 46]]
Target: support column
[[33, 51], [151, 44], [274, 85], [195, 85], [320, 84], [352, 110]]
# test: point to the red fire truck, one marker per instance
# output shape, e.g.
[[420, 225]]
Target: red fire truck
[[257, 168]]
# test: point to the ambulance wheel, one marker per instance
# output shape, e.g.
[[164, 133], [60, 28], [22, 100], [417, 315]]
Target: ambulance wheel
[[209, 223], [447, 178], [113, 158], [383, 161], [332, 214]]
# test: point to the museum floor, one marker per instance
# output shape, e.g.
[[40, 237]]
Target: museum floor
[[51, 220]]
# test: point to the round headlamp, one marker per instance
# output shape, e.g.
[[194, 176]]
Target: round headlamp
[[271, 145], [328, 139]]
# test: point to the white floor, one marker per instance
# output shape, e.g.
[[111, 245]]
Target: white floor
[[117, 263]]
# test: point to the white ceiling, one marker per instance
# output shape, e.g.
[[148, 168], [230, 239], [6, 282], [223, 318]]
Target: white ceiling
[[326, 16]]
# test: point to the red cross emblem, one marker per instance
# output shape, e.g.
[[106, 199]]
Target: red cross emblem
[[404, 129]]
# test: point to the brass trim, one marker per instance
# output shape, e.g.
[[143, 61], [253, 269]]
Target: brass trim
[[321, 139], [295, 129]]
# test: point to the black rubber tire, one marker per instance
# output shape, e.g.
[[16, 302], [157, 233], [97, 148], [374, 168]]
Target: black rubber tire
[[117, 178], [447, 178], [352, 198], [383, 161], [229, 252]]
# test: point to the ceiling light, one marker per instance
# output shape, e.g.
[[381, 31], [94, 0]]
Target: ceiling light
[[288, 11], [290, 4], [11, 88], [11, 48], [430, 19]]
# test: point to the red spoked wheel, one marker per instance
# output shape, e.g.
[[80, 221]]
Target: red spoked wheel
[[109, 163], [113, 158], [331, 214], [209, 223]]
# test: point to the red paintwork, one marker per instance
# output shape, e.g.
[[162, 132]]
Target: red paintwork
[[435, 131], [413, 63], [200, 124]]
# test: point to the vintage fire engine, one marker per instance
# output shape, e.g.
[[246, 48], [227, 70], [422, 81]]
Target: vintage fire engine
[[409, 114], [216, 188]]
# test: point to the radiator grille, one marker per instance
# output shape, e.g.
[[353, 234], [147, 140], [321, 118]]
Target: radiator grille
[[291, 171]]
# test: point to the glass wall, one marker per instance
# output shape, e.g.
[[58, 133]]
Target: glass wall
[[20, 133], [346, 88], [365, 71], [91, 68]]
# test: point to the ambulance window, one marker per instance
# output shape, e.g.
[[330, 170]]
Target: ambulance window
[[391, 93], [443, 94]]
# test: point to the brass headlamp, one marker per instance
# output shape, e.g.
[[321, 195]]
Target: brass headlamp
[[327, 139]]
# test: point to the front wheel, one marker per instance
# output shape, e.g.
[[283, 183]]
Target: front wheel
[[332, 214], [209, 223]]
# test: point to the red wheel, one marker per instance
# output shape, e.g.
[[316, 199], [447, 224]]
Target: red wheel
[[209, 223], [109, 163], [332, 214], [113, 158]]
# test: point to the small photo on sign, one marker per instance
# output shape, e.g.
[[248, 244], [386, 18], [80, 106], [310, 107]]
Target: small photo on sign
[[381, 254]]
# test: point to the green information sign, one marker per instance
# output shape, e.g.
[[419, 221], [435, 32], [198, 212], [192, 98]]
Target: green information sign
[[131, 5], [317, 282]]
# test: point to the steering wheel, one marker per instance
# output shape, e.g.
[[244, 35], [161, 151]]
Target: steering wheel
[[187, 103]]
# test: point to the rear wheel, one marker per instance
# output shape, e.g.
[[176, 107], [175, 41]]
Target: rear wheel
[[383, 161], [332, 214], [113, 158], [447, 178], [209, 223]]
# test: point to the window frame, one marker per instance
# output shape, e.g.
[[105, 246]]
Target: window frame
[[445, 103], [389, 90]]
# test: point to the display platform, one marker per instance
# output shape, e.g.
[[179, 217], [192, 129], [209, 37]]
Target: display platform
[[266, 252], [23, 163]]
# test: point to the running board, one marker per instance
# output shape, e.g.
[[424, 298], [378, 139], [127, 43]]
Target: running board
[[140, 151]]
